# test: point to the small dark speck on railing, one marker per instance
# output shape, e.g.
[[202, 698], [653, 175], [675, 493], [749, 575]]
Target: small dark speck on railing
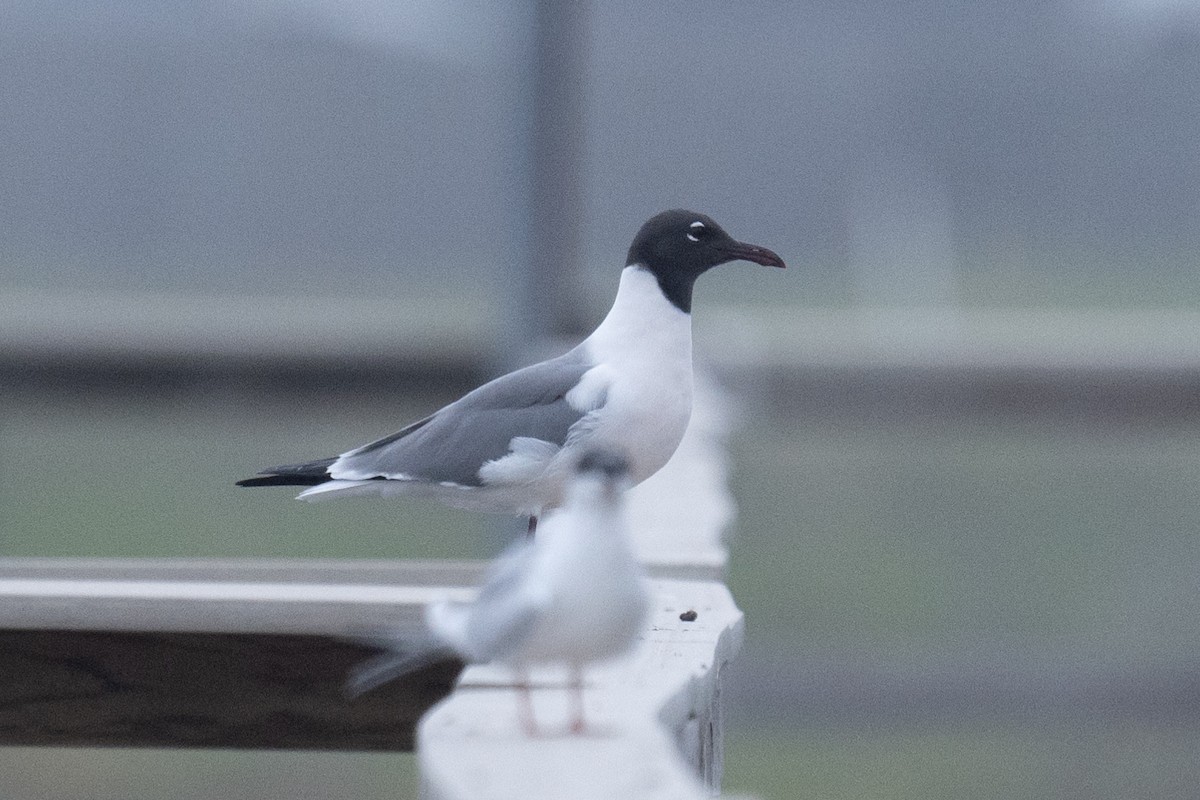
[[688, 616]]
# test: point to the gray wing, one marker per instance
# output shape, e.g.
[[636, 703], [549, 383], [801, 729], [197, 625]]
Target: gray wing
[[453, 443], [507, 607]]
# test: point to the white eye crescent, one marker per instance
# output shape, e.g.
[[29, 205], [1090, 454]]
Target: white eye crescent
[[697, 230]]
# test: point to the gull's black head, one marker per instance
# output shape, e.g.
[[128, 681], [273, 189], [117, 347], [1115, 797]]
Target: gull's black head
[[678, 246]]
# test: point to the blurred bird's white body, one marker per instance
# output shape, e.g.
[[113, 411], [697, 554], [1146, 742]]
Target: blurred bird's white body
[[581, 586], [573, 595]]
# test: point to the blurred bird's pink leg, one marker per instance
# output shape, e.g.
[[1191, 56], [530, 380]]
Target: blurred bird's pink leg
[[525, 703], [578, 726]]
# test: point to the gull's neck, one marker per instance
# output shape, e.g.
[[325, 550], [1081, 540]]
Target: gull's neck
[[642, 318]]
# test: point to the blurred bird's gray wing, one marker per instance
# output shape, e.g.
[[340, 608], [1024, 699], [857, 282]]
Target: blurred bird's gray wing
[[507, 607], [451, 445]]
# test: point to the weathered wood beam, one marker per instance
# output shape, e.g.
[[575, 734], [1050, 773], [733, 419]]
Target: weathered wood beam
[[93, 688], [214, 653]]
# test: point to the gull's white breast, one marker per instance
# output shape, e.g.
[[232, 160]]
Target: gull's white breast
[[643, 351]]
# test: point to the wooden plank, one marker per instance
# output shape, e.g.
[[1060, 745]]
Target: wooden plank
[[218, 653], [407, 572], [100, 688], [327, 597]]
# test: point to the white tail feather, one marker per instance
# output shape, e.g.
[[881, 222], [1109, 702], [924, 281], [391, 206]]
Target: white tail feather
[[328, 489]]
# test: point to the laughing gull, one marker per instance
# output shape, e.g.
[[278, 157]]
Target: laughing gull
[[572, 596], [509, 445]]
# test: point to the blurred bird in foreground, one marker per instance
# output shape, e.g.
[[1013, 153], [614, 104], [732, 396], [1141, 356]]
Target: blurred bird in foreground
[[509, 445], [573, 595]]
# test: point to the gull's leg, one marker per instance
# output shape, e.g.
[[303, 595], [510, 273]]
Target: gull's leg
[[532, 526], [578, 726], [525, 703]]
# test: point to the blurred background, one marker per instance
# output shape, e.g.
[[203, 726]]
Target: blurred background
[[233, 235]]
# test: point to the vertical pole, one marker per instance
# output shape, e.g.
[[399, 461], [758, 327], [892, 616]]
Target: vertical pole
[[541, 286], [556, 163]]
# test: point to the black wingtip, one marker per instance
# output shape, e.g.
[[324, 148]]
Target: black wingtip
[[284, 480], [311, 473]]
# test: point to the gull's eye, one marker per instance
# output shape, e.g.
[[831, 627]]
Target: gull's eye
[[697, 231]]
